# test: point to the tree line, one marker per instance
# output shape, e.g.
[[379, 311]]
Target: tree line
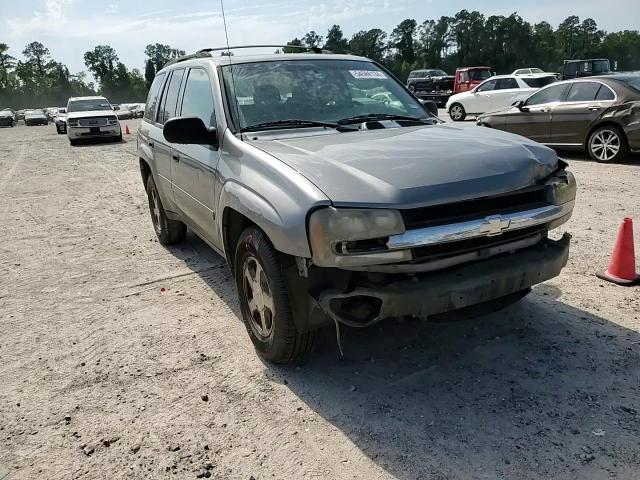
[[471, 38], [40, 81], [466, 39]]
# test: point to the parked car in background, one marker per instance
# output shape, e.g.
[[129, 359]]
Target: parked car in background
[[599, 114], [35, 117], [20, 115], [91, 117], [468, 77], [50, 113], [7, 118], [495, 93], [331, 207], [585, 68], [124, 113], [137, 109], [431, 84], [60, 120], [527, 71]]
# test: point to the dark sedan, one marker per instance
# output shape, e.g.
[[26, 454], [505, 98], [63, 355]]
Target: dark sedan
[[599, 114], [7, 118]]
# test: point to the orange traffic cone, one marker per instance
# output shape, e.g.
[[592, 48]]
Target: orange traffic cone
[[126, 130], [622, 269]]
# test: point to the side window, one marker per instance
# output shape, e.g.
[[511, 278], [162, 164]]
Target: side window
[[152, 98], [551, 94], [505, 83], [170, 97], [464, 77], [198, 99], [487, 86], [583, 92], [605, 93]]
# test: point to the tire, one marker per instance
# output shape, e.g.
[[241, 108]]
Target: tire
[[73, 143], [167, 231], [59, 130], [607, 144], [118, 138], [457, 112], [268, 319]]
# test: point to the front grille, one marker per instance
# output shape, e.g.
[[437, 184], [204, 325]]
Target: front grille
[[93, 122], [474, 209], [431, 252]]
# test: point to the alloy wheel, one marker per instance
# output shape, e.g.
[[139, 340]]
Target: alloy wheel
[[456, 112], [258, 297], [605, 145], [155, 209]]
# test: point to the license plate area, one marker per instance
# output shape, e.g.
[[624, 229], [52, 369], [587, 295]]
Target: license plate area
[[94, 130]]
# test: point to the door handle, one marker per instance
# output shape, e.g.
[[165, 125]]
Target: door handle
[[593, 108], [176, 157], [151, 144]]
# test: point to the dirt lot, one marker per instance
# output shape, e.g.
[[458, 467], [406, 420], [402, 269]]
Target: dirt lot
[[122, 359]]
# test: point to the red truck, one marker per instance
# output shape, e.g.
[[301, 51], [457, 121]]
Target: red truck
[[469, 77]]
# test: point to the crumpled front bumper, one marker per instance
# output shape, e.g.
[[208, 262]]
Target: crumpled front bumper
[[451, 289]]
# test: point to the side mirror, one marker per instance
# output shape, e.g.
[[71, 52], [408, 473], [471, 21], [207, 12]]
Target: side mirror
[[190, 131], [521, 106]]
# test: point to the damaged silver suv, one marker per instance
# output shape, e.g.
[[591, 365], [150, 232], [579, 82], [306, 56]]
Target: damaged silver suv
[[335, 196]]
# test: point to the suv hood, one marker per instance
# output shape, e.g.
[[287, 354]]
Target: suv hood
[[90, 113], [412, 166]]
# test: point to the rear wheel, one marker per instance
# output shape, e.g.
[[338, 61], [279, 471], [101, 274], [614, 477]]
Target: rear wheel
[[607, 144], [457, 112], [264, 300], [167, 231]]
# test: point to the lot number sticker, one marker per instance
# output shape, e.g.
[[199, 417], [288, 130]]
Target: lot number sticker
[[366, 74]]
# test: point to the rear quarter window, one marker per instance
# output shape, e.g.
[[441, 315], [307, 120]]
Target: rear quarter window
[[152, 98]]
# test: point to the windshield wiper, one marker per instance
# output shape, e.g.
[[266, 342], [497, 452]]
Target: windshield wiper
[[379, 116], [293, 123]]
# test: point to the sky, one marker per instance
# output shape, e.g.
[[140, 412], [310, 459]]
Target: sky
[[71, 27]]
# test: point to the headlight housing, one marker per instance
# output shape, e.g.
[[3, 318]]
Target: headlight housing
[[346, 237], [73, 123]]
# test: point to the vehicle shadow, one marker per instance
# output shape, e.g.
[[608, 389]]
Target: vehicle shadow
[[539, 390], [579, 155], [99, 141]]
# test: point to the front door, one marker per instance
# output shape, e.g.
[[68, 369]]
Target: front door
[[480, 99], [533, 118], [194, 167]]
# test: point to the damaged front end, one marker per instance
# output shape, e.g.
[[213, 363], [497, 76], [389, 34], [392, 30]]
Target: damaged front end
[[373, 264]]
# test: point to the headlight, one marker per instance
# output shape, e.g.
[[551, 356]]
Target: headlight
[[73, 123], [346, 237]]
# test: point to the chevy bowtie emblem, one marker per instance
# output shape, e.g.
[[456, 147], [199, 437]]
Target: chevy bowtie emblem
[[495, 225]]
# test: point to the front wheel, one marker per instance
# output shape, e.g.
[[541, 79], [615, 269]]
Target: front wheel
[[607, 145], [264, 300], [457, 112]]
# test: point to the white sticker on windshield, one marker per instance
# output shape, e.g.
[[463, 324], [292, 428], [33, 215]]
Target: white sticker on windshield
[[366, 74]]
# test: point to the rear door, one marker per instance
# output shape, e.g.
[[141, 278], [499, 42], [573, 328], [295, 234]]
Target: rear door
[[194, 167], [533, 120], [572, 118]]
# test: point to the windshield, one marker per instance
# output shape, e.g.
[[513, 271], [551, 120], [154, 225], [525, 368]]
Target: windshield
[[539, 82], [33, 112], [314, 90], [479, 75], [89, 105]]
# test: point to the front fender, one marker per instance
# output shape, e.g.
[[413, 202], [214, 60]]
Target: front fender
[[287, 231]]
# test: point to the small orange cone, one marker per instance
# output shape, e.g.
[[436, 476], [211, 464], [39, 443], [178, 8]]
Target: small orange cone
[[126, 130], [622, 269]]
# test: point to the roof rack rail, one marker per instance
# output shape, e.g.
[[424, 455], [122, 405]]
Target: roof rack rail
[[206, 52]]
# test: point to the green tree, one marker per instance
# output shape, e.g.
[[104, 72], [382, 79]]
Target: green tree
[[101, 61], [568, 36], [369, 43], [312, 40], [402, 39], [149, 72], [295, 42], [335, 41], [38, 54], [161, 54], [7, 63]]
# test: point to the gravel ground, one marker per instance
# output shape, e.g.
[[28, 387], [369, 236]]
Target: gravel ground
[[123, 359]]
